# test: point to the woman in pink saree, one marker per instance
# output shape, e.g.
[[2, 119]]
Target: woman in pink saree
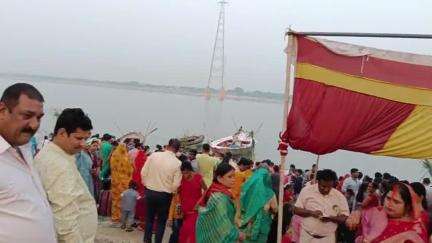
[[398, 220]]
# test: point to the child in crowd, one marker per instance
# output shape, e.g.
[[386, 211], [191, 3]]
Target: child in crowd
[[128, 203], [175, 218]]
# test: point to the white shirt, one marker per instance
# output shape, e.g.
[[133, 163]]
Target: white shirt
[[25, 215], [161, 172], [332, 204], [350, 183]]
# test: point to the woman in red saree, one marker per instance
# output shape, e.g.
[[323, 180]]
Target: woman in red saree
[[138, 164], [190, 190], [398, 220]]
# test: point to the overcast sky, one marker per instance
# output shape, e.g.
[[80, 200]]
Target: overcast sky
[[170, 41]]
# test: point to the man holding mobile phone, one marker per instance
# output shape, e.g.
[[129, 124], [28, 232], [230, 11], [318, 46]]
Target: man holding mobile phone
[[322, 208]]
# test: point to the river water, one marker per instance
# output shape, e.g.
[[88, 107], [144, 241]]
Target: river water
[[118, 111]]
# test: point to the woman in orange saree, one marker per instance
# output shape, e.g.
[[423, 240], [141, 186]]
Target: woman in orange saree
[[121, 175]]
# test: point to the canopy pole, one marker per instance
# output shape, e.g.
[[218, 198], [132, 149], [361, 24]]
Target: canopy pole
[[356, 34], [291, 51], [317, 168]]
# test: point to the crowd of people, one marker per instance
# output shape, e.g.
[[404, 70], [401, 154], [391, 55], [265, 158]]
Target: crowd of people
[[56, 190]]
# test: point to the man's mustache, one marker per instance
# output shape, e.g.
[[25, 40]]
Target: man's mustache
[[29, 131]]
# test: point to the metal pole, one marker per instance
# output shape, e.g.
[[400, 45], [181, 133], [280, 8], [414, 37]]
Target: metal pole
[[354, 34]]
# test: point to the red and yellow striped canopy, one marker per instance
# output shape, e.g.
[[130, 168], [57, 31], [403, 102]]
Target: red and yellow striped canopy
[[360, 99]]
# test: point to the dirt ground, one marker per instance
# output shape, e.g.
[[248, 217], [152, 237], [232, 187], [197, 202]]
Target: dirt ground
[[111, 233]]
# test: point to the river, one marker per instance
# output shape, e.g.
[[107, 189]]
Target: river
[[118, 111]]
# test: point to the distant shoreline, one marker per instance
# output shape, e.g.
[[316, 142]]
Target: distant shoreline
[[232, 94]]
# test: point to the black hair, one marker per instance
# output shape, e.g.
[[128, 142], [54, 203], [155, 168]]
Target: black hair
[[375, 185], [426, 181], [245, 161], [133, 185], [71, 119], [353, 170], [268, 162], [186, 166], [361, 191], [183, 158], [221, 170], [367, 179], [12, 94], [378, 175], [174, 143], [193, 152], [106, 137], [292, 166], [420, 190], [276, 168], [386, 176], [206, 147], [227, 157], [360, 175], [300, 171], [326, 175], [404, 193]]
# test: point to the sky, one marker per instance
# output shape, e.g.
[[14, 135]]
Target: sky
[[170, 42]]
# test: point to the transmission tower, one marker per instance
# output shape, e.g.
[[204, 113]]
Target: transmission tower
[[217, 64]]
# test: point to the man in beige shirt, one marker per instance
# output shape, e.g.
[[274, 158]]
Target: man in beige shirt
[[73, 206], [322, 207], [162, 176]]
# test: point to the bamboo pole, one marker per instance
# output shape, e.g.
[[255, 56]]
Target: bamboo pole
[[290, 69], [356, 34]]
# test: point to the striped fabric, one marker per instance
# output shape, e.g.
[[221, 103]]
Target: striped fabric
[[360, 99], [216, 221]]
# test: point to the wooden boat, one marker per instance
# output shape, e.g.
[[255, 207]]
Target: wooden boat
[[240, 144], [191, 142]]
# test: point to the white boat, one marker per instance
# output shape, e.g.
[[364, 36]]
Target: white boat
[[240, 144]]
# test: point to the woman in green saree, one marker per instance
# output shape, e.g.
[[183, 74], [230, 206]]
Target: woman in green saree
[[258, 202], [216, 212], [105, 150]]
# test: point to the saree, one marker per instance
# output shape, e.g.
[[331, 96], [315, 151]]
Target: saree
[[136, 177], [255, 199], [121, 175], [377, 227], [105, 150], [190, 193], [215, 222]]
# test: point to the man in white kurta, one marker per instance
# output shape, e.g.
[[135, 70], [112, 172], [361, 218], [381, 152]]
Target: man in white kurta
[[322, 208], [73, 206]]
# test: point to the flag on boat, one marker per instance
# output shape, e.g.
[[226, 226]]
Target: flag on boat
[[359, 99]]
